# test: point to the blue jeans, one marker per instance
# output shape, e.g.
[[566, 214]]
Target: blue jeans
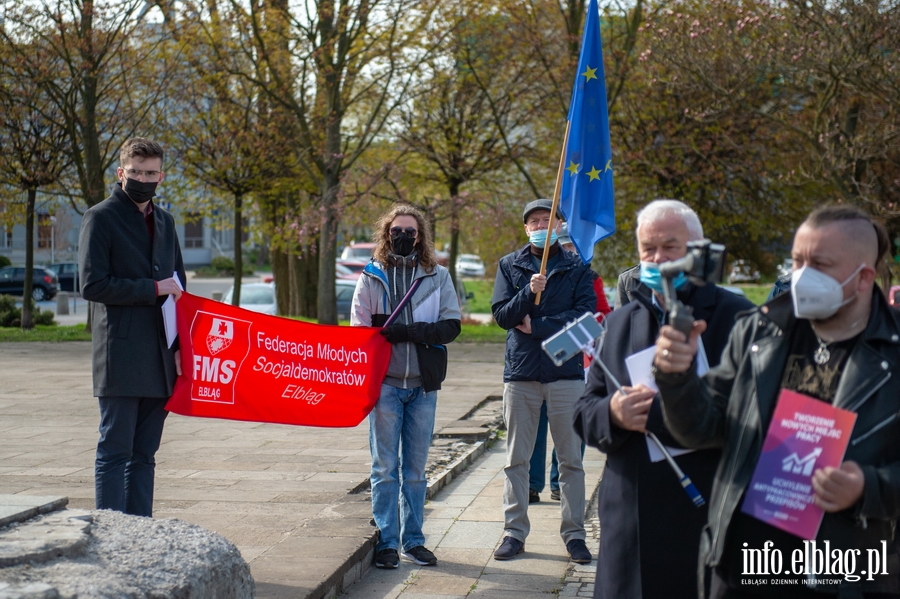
[[400, 430], [537, 468], [130, 433]]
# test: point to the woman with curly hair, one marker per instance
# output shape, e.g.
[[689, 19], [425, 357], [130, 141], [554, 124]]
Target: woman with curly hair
[[402, 423]]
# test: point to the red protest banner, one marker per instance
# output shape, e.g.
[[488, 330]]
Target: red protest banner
[[241, 365]]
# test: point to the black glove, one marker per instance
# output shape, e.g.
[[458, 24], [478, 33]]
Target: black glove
[[396, 333]]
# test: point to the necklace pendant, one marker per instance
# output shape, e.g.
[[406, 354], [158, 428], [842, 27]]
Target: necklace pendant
[[822, 355]]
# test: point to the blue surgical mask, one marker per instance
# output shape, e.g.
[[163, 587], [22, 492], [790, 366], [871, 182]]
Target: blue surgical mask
[[651, 277], [539, 238]]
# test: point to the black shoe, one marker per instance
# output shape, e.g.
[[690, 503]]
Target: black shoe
[[533, 496], [421, 556], [554, 494], [578, 551], [510, 548], [387, 558]]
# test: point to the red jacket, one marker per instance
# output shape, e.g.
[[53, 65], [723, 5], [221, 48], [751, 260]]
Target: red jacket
[[602, 304]]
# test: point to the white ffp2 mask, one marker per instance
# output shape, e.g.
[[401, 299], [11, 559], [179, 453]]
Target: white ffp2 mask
[[817, 295]]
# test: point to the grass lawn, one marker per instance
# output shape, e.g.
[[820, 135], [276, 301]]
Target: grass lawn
[[483, 290], [481, 333], [42, 332], [471, 333], [756, 293]]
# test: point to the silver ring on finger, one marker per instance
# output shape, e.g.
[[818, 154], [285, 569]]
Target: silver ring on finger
[[665, 353]]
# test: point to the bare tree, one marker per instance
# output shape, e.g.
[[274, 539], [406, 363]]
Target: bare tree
[[32, 155], [338, 68], [103, 68], [450, 122]]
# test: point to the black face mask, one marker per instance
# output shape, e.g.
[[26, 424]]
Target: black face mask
[[139, 191], [402, 245]]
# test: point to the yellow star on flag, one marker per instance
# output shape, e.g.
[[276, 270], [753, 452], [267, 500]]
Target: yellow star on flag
[[594, 174], [589, 73], [573, 168]]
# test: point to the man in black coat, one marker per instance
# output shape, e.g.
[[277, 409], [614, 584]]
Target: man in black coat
[[129, 256], [650, 528]]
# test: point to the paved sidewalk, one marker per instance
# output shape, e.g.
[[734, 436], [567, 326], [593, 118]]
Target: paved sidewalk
[[293, 499], [464, 525]]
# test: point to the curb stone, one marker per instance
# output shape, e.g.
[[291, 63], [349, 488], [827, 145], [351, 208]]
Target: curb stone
[[580, 578], [358, 563]]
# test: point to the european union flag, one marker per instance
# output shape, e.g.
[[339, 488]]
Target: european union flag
[[586, 198]]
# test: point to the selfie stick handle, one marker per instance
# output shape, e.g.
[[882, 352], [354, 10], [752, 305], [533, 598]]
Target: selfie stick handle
[[680, 316]]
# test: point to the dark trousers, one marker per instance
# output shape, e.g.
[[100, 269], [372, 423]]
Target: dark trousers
[[130, 433]]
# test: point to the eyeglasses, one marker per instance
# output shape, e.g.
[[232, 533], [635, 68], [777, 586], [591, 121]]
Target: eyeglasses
[[149, 175], [410, 231]]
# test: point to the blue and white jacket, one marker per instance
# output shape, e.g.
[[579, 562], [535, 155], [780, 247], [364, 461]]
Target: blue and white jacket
[[432, 316]]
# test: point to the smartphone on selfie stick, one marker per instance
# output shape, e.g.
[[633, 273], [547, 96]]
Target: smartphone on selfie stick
[[586, 334]]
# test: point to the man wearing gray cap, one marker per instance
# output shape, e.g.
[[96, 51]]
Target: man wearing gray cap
[[530, 378]]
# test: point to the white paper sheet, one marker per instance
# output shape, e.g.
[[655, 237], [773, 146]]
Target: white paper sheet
[[639, 371], [168, 312]]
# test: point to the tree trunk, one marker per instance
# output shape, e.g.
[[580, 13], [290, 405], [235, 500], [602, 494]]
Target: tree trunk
[[238, 254], [27, 302], [309, 277], [327, 306], [293, 284], [279, 260], [455, 207], [93, 185]]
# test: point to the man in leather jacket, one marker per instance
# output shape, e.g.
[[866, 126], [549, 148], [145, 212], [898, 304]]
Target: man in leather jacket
[[834, 338]]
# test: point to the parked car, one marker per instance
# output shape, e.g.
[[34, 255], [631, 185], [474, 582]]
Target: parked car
[[45, 283], [786, 266], [345, 272], [258, 297], [742, 272], [67, 273], [355, 266], [344, 289], [469, 265], [358, 251], [610, 293], [463, 295]]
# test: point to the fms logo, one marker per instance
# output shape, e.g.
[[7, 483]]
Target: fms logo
[[220, 347]]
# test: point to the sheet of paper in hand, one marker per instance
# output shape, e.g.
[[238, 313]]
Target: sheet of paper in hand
[[805, 434]]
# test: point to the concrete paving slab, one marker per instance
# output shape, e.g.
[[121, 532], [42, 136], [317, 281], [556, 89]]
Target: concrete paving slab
[[476, 535], [540, 572], [275, 490], [541, 582], [378, 589], [18, 508], [427, 584]]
